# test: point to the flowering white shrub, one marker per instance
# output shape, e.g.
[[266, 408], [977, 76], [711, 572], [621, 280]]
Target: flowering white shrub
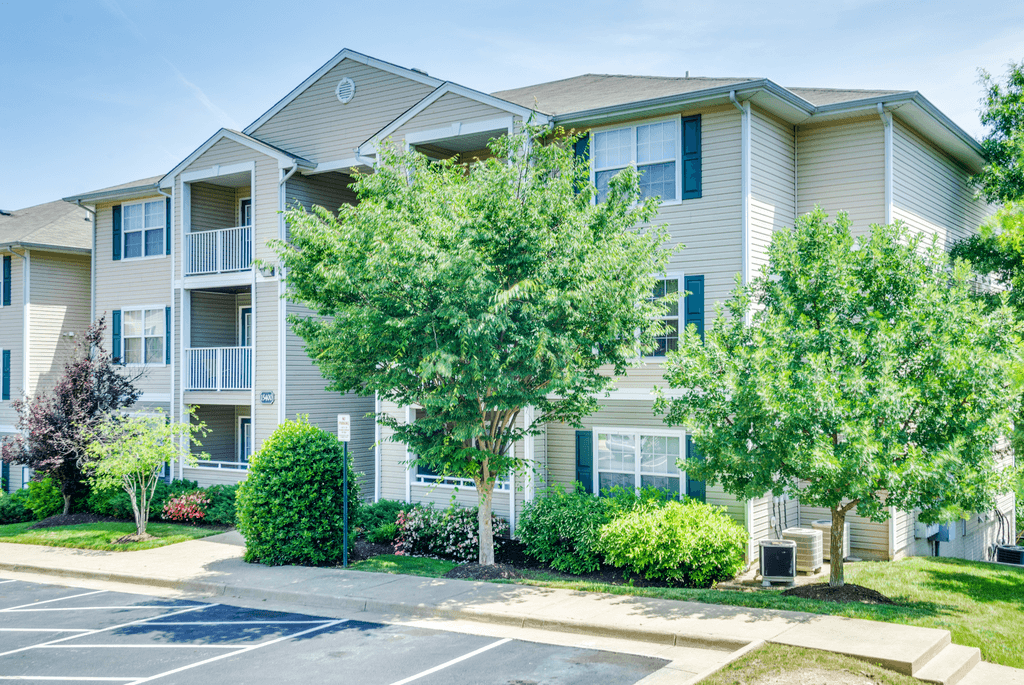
[[449, 533]]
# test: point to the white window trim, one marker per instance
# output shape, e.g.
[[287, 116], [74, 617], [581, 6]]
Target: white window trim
[[241, 445], [124, 233], [679, 277], [241, 217], [241, 323], [678, 119], [637, 433], [447, 482], [124, 339]]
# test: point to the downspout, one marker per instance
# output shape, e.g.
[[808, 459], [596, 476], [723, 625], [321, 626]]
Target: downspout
[[282, 306], [886, 118], [170, 333], [376, 448], [744, 109], [92, 266]]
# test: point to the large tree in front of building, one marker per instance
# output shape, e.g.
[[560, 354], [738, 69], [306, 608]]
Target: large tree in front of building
[[56, 426], [858, 373], [476, 291]]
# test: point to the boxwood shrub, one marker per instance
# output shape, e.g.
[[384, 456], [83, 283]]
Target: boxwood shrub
[[13, 507], [688, 543], [290, 506], [44, 499], [561, 529]]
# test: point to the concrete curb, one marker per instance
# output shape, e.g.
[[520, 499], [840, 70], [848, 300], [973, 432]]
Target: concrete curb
[[357, 604]]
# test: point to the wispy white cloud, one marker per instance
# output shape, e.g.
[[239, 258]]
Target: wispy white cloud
[[222, 117]]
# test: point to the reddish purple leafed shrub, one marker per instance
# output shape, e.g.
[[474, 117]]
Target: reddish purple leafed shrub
[[188, 508]]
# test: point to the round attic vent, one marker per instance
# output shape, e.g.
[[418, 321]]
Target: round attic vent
[[345, 90]]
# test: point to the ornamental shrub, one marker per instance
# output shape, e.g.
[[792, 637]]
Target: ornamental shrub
[[689, 543], [624, 500], [561, 529], [379, 521], [114, 502], [188, 508], [44, 499], [449, 533], [290, 506], [222, 509], [13, 507]]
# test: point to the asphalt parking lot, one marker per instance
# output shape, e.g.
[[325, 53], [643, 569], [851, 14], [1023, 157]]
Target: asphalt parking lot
[[57, 634]]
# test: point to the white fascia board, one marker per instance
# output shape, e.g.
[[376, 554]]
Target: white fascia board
[[369, 146], [459, 129], [340, 165], [416, 76], [218, 170], [283, 160]]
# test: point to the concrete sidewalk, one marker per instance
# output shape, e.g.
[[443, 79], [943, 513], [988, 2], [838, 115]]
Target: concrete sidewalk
[[213, 567]]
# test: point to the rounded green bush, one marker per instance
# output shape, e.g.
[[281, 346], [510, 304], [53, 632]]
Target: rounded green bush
[[290, 506], [44, 499], [561, 529], [13, 507], [690, 543]]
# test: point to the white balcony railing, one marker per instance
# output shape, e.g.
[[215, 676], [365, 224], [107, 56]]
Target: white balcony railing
[[218, 368], [217, 252]]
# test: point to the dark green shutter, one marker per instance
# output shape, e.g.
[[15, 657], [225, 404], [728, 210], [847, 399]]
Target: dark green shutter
[[694, 488], [5, 384], [691, 157], [7, 281], [115, 336], [167, 226], [167, 335], [581, 148], [585, 460], [5, 475], [693, 304], [117, 232]]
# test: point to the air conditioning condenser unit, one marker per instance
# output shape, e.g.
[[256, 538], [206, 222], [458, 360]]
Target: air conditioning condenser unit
[[778, 562], [1010, 554]]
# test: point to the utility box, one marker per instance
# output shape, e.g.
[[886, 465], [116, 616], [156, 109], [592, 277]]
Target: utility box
[[808, 548], [778, 561], [825, 526]]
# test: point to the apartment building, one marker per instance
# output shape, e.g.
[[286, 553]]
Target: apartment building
[[733, 159], [44, 303]]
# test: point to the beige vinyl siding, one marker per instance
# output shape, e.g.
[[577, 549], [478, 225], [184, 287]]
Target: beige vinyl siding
[[868, 539], [59, 293], [842, 168], [220, 442], [214, 319], [210, 476], [265, 325], [213, 207], [773, 193], [131, 284], [12, 331], [330, 191], [316, 126], [931, 192], [711, 226], [448, 109]]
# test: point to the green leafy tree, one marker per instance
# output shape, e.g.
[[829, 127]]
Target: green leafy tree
[[867, 377], [129, 452], [474, 291], [1002, 179]]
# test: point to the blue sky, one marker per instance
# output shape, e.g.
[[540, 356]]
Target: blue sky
[[100, 92]]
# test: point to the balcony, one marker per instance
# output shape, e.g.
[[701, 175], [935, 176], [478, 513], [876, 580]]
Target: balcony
[[218, 368], [224, 250]]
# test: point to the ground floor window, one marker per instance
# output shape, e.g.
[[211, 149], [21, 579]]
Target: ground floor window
[[425, 476], [638, 458]]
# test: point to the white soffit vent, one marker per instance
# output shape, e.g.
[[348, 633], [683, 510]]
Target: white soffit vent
[[346, 90]]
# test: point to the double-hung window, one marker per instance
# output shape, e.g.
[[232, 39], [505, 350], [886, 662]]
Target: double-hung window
[[143, 335], [653, 148], [143, 228], [639, 458], [668, 290]]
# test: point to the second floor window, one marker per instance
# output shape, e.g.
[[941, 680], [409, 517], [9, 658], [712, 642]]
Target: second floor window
[[669, 339], [143, 229], [654, 148], [143, 336]]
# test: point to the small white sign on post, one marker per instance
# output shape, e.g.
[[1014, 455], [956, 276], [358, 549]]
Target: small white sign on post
[[345, 427]]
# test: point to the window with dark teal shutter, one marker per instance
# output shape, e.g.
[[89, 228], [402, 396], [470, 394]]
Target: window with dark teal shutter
[[694, 303], [167, 227], [7, 281], [581, 148], [691, 157], [167, 335], [115, 336], [5, 381], [696, 489], [585, 460], [117, 232]]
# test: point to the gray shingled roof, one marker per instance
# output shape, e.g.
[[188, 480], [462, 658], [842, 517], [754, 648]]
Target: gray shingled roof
[[53, 224], [591, 91]]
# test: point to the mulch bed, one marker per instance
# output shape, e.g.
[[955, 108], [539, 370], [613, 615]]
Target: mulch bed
[[72, 520], [477, 572], [846, 593], [362, 549]]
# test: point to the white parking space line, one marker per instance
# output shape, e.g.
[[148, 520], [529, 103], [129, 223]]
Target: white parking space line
[[446, 664], [63, 678], [250, 648], [131, 606], [103, 630], [7, 581], [58, 599], [78, 646], [233, 623], [44, 630]]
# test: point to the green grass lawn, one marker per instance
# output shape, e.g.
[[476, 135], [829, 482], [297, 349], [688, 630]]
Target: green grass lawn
[[780, 661], [101, 535], [982, 605]]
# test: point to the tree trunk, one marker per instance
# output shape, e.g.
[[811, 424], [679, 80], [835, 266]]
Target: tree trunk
[[67, 504], [485, 530], [835, 576]]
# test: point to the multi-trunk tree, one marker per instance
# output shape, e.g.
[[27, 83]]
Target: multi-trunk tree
[[859, 373], [56, 425], [476, 291]]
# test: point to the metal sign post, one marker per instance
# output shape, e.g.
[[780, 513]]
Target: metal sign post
[[344, 435]]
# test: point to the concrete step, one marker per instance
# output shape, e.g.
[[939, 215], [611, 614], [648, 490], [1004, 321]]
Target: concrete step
[[950, 665], [993, 674]]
